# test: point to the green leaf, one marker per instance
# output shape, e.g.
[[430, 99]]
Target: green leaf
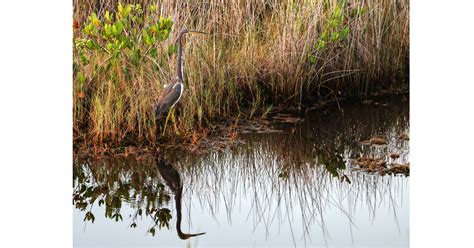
[[119, 26], [164, 34], [320, 44], [127, 10], [344, 33], [81, 78], [92, 17], [165, 23], [89, 216], [337, 11], [324, 35], [120, 8], [89, 44], [146, 37], [154, 52], [107, 15], [84, 59], [152, 231]]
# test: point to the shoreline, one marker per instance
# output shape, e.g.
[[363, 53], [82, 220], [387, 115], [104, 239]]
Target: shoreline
[[226, 131]]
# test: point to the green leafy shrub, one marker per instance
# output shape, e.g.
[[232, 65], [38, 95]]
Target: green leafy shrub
[[128, 34], [113, 50], [334, 32]]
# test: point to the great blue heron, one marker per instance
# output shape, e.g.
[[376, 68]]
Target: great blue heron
[[172, 92]]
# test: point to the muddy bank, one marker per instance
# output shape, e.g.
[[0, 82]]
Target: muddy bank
[[375, 131], [227, 133]]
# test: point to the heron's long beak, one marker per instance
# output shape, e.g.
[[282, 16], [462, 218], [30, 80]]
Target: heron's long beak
[[195, 31]]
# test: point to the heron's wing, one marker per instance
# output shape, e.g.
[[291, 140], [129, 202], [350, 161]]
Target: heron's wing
[[173, 95], [166, 90], [168, 97]]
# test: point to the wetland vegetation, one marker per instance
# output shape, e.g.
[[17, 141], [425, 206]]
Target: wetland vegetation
[[260, 58], [292, 129]]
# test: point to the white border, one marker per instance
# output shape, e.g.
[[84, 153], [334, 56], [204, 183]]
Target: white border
[[441, 197], [36, 120], [36, 123]]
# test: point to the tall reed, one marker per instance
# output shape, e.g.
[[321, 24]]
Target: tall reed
[[258, 54]]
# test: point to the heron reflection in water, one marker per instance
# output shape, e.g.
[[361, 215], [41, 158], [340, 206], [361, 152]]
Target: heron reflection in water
[[173, 181]]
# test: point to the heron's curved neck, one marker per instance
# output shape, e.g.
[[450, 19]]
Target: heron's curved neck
[[179, 69], [181, 235], [177, 199]]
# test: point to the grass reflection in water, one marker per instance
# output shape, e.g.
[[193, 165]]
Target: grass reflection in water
[[298, 178]]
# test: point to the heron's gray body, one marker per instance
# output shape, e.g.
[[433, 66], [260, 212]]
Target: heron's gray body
[[169, 97]]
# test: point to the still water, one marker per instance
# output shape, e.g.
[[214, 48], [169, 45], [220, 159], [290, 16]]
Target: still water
[[293, 188]]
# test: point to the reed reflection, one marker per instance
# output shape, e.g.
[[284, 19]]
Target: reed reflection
[[300, 180], [143, 184], [307, 169]]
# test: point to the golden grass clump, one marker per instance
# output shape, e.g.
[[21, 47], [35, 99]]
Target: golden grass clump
[[257, 54]]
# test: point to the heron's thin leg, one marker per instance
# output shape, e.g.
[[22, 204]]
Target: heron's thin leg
[[174, 123], [166, 121]]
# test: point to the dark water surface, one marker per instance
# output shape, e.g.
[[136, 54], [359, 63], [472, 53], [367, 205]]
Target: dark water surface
[[289, 189]]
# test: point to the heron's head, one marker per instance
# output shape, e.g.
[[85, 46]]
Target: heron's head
[[186, 30], [187, 235], [198, 32]]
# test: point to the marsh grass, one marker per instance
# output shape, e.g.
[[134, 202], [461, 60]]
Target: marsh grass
[[258, 54]]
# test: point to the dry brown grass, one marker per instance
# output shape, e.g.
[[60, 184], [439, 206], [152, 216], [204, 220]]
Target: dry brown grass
[[258, 53]]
